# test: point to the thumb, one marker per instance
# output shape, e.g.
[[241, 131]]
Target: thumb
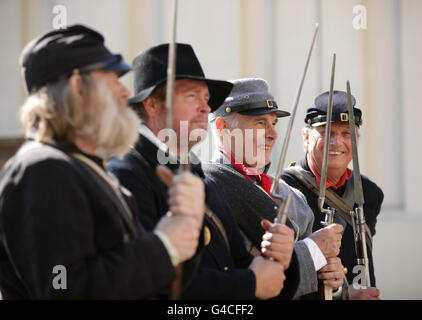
[[165, 175], [266, 224]]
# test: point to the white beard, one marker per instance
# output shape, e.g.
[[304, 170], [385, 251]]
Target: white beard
[[115, 128]]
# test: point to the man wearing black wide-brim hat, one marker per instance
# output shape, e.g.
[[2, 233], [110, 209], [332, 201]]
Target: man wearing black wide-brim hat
[[67, 229], [227, 270], [245, 125], [305, 176]]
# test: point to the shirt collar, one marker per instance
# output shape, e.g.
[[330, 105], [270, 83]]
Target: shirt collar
[[346, 176], [147, 133], [247, 170]]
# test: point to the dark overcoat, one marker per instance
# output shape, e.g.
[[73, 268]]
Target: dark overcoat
[[64, 232], [373, 197], [223, 272]]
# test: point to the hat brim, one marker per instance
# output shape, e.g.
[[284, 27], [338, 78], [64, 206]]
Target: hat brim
[[120, 66], [256, 112], [219, 90]]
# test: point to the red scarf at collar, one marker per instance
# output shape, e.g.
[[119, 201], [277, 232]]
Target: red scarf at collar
[[261, 178], [346, 176]]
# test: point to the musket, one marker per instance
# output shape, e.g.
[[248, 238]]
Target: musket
[[283, 208], [329, 212], [357, 213], [176, 288]]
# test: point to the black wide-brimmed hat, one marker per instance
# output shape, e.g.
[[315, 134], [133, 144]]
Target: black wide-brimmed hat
[[249, 96], [150, 70], [57, 54], [316, 114]]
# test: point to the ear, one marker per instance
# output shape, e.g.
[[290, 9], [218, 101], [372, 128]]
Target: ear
[[305, 136], [152, 107], [77, 87], [220, 124]]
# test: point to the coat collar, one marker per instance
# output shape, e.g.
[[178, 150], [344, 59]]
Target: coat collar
[[152, 150]]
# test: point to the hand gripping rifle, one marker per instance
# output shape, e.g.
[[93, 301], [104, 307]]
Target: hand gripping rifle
[[283, 208], [324, 292], [357, 214]]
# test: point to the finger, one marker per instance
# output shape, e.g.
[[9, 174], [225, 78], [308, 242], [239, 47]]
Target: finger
[[165, 175], [375, 292], [266, 224], [332, 268], [277, 238], [277, 247], [186, 178], [334, 261], [330, 275], [177, 189], [333, 283], [277, 256], [372, 291], [182, 199], [337, 228], [181, 210], [281, 229]]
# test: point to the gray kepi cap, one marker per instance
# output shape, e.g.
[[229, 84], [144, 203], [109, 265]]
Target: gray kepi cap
[[249, 96]]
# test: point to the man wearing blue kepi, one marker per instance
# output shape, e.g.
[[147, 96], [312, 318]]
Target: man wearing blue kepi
[[305, 176], [67, 229], [227, 270], [245, 128]]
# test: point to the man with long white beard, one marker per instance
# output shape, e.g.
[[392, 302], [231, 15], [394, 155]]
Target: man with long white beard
[[67, 228]]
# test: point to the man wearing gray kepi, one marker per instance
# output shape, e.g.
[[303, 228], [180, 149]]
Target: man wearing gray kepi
[[227, 270], [245, 127]]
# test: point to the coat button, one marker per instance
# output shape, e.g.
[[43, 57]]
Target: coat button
[[207, 235]]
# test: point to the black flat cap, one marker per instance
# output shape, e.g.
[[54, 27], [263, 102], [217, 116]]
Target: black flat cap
[[316, 114], [56, 54], [150, 70], [249, 96]]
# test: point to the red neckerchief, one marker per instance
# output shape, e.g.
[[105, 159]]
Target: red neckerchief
[[261, 178], [347, 175]]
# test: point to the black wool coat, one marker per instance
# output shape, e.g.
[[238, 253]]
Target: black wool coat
[[373, 197], [223, 272], [56, 211]]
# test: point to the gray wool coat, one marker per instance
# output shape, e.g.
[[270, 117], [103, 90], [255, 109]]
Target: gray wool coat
[[250, 204]]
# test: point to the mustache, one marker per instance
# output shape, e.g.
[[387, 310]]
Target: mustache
[[200, 118]]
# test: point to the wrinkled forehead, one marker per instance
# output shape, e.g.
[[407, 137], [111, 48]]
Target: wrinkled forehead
[[335, 126], [271, 117], [191, 85]]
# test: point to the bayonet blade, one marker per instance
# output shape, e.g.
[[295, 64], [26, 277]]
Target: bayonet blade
[[171, 68], [321, 198], [357, 179], [292, 116]]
